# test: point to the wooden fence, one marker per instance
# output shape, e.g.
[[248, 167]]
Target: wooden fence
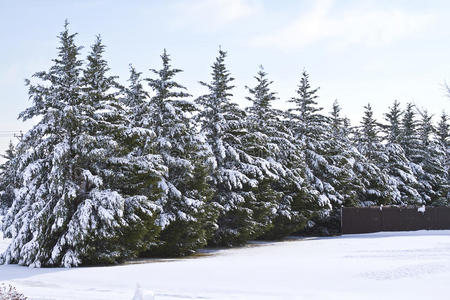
[[375, 219]]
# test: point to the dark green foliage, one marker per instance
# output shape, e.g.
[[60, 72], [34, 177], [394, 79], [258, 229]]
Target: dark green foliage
[[74, 206], [443, 131], [375, 170], [324, 224], [8, 178], [183, 237], [310, 128], [263, 141], [395, 162], [434, 180], [393, 129], [185, 219], [410, 139], [234, 175]]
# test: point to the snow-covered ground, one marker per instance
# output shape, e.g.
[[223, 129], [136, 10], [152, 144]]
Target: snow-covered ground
[[396, 265]]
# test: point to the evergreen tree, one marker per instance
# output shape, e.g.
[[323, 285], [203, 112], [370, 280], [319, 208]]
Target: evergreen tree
[[342, 156], [233, 176], [434, 180], [410, 138], [368, 139], [68, 210], [393, 128], [443, 131], [280, 206], [398, 167], [411, 144], [135, 100], [337, 122], [7, 178], [361, 181], [258, 140], [187, 217], [379, 188], [310, 128], [443, 140], [132, 174]]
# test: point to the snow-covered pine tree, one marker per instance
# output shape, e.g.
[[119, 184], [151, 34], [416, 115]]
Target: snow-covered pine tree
[[410, 142], [434, 181], [360, 181], [141, 145], [442, 135], [342, 156], [233, 176], [66, 212], [135, 100], [259, 144], [443, 131], [393, 128], [309, 127], [410, 138], [280, 206], [187, 217], [368, 140], [397, 165], [124, 170], [7, 178], [35, 220], [443, 138], [379, 187]]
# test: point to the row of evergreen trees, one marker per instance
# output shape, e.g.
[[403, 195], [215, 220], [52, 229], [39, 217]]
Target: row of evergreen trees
[[112, 172]]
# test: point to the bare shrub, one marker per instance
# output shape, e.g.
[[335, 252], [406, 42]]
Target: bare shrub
[[8, 292]]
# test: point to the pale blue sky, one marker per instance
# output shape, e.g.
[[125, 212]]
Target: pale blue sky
[[356, 51]]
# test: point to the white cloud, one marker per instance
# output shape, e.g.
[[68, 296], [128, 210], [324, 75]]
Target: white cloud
[[353, 26], [212, 14]]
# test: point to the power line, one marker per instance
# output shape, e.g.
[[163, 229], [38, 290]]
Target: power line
[[11, 134]]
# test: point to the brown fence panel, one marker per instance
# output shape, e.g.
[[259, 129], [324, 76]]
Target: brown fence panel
[[374, 219], [441, 218], [361, 220]]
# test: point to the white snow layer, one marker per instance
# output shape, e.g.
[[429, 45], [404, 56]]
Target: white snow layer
[[396, 265], [141, 294]]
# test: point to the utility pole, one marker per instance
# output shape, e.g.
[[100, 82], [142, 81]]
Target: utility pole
[[19, 135]]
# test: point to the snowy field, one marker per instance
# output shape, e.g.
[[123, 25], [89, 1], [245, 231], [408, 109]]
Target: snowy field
[[397, 265]]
